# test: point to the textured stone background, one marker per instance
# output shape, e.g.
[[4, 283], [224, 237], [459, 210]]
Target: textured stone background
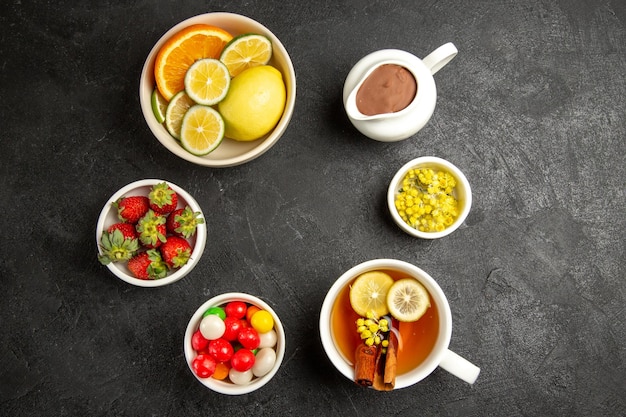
[[532, 110]]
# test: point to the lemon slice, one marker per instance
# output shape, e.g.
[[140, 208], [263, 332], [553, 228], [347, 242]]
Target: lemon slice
[[407, 300], [207, 81], [368, 293], [159, 105], [202, 130], [246, 51], [175, 112]]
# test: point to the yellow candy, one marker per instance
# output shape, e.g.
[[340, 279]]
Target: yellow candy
[[262, 321]]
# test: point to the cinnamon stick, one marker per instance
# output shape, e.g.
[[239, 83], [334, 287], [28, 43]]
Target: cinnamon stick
[[379, 384], [365, 364], [391, 362]]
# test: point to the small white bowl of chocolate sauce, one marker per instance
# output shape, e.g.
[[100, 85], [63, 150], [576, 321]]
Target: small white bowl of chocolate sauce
[[390, 94]]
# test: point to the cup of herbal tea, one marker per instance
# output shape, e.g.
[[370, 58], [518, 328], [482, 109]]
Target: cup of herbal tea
[[386, 324]]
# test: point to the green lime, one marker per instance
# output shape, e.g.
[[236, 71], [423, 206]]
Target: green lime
[[175, 112], [202, 130], [159, 105], [246, 51]]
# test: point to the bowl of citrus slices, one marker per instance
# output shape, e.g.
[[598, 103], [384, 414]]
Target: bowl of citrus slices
[[218, 89]]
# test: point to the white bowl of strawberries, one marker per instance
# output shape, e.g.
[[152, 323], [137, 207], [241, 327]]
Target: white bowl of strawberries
[[151, 233]]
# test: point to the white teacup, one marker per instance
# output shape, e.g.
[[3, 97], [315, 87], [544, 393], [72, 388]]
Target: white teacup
[[439, 356], [399, 125]]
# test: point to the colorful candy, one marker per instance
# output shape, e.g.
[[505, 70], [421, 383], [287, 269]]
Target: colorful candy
[[235, 342], [212, 327]]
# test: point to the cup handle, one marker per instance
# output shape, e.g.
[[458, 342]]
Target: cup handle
[[459, 367], [438, 58]]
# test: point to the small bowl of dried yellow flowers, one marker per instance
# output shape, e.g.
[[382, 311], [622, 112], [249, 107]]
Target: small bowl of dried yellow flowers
[[429, 197]]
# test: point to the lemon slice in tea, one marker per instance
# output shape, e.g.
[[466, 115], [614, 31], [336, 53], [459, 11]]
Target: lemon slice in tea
[[202, 130], [368, 293], [407, 300], [175, 112], [246, 51], [207, 81], [159, 105]]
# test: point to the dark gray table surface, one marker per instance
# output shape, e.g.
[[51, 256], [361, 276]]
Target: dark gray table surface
[[532, 110]]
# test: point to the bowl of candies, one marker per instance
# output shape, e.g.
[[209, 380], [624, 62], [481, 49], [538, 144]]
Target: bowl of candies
[[234, 343], [218, 89], [150, 233], [429, 197]]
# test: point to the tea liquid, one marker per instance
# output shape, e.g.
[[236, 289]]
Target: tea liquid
[[418, 338]]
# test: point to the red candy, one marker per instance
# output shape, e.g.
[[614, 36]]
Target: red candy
[[199, 342], [236, 309], [233, 327], [249, 338], [204, 365], [220, 349], [242, 360]]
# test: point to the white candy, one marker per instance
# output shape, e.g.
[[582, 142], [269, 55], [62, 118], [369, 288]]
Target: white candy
[[264, 362], [268, 339], [212, 327], [240, 378]]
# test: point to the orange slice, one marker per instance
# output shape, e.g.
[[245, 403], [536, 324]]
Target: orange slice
[[183, 49]]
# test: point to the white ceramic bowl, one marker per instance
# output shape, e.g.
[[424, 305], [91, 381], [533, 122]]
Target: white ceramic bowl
[[226, 387], [431, 362], [108, 216], [462, 192], [229, 152]]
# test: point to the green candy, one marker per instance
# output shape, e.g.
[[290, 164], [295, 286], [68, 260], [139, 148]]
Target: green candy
[[218, 311]]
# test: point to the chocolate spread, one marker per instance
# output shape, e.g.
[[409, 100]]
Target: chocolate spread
[[388, 89]]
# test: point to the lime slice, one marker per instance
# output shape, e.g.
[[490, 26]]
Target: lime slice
[[202, 130], [246, 51], [368, 293], [159, 105], [407, 300], [207, 81], [175, 112]]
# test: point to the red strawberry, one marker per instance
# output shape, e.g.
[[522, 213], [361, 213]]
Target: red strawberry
[[127, 229], [148, 265], [131, 209], [151, 229], [175, 251], [183, 222], [163, 199], [118, 243]]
